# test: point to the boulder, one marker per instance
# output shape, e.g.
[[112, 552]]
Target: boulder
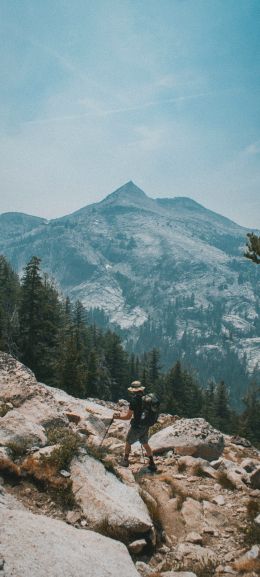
[[192, 512], [219, 500], [93, 418], [17, 381], [194, 556], [37, 545], [108, 504], [214, 516], [178, 574], [144, 569], [193, 437], [195, 538], [17, 430], [43, 410]]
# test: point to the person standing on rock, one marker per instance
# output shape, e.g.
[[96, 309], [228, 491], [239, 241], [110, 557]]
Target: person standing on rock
[[139, 428]]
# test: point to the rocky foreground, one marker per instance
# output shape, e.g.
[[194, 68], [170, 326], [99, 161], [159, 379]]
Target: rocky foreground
[[67, 508]]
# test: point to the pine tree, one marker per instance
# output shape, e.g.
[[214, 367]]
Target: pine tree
[[31, 334], [250, 418], [222, 410], [174, 400], [209, 404], [93, 375], [9, 299], [117, 363], [253, 248], [154, 370]]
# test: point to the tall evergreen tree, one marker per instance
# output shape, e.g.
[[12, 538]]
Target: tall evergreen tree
[[117, 362], [30, 313], [154, 369], [39, 314], [9, 299], [250, 418], [222, 410], [174, 394]]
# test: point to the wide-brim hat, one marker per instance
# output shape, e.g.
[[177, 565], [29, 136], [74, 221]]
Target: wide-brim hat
[[135, 387]]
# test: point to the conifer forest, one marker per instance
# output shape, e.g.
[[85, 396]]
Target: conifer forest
[[58, 341]]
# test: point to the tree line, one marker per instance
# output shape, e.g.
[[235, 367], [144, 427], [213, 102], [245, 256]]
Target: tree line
[[55, 339]]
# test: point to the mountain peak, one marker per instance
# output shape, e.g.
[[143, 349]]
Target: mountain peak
[[128, 189], [128, 194]]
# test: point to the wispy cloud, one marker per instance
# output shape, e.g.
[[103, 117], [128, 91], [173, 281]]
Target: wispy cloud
[[252, 149], [96, 111]]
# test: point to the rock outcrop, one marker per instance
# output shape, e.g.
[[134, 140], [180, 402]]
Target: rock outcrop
[[199, 512], [37, 545], [104, 499], [193, 437]]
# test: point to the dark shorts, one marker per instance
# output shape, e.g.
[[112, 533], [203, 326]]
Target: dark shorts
[[137, 433]]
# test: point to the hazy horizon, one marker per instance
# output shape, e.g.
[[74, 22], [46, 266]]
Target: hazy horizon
[[109, 193]]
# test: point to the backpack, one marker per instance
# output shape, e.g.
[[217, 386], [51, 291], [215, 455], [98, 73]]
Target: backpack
[[150, 409]]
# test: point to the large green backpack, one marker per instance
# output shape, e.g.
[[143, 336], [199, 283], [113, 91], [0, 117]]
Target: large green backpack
[[150, 409]]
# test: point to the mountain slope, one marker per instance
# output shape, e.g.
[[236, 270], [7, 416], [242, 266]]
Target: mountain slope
[[167, 272]]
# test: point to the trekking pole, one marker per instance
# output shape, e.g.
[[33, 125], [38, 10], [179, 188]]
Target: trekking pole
[[106, 432]]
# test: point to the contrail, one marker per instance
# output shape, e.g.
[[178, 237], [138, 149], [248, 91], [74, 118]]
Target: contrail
[[119, 110]]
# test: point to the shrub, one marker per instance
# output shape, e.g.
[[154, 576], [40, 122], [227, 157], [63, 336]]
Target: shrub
[[253, 508], [61, 456], [246, 565], [224, 481], [19, 447], [119, 533], [198, 471], [205, 570], [4, 408], [182, 467], [252, 534], [62, 493]]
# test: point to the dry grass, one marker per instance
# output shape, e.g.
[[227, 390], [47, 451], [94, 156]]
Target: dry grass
[[45, 473], [176, 488], [253, 508], [119, 533], [152, 506], [246, 565], [97, 452], [224, 481], [4, 409], [198, 471], [205, 570], [182, 467], [7, 466]]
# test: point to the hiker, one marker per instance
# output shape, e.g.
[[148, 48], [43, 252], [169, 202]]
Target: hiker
[[139, 429]]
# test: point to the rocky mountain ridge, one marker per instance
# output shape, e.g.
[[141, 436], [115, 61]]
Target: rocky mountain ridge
[[166, 273], [67, 504]]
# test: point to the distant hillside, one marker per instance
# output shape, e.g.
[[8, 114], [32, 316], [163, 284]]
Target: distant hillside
[[167, 273]]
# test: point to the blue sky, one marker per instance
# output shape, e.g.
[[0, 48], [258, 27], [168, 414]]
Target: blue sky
[[162, 92]]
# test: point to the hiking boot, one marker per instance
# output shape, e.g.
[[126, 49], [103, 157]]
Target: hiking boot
[[124, 462], [152, 467]]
